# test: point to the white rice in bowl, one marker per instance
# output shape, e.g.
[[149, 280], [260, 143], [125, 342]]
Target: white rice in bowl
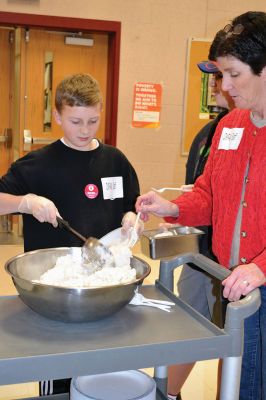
[[69, 270]]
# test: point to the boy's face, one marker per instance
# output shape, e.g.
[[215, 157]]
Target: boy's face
[[80, 125]]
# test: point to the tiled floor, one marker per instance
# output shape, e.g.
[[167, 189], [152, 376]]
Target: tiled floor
[[201, 384]]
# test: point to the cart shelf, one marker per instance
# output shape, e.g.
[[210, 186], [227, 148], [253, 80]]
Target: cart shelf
[[34, 348]]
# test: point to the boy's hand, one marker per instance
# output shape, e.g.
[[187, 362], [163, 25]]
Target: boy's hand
[[128, 222], [40, 207]]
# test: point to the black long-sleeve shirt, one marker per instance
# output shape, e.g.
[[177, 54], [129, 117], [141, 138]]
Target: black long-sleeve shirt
[[65, 176]]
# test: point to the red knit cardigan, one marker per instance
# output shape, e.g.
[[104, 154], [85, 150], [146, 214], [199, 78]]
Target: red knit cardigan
[[217, 193]]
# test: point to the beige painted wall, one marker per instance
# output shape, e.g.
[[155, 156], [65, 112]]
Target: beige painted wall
[[153, 49]]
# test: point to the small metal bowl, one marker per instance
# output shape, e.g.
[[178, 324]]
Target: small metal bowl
[[68, 304], [184, 239]]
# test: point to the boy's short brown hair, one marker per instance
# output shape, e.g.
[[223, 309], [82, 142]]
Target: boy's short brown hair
[[80, 90]]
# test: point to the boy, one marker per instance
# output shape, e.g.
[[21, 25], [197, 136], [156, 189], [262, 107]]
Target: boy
[[91, 185]]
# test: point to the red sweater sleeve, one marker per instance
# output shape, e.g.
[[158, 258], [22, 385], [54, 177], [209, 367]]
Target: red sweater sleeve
[[260, 261], [195, 208]]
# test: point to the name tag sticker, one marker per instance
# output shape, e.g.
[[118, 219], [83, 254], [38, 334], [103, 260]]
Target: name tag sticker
[[112, 187], [230, 138]]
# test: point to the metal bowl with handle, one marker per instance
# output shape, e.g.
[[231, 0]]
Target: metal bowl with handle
[[68, 304]]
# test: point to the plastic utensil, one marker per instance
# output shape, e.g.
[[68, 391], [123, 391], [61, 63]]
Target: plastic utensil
[[133, 238], [161, 190], [140, 300], [95, 254], [137, 301], [144, 299]]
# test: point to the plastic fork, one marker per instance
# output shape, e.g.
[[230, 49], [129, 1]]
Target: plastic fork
[[161, 190], [136, 301], [140, 300], [134, 237], [144, 299]]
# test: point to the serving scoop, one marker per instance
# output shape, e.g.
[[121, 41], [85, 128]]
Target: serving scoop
[[95, 255]]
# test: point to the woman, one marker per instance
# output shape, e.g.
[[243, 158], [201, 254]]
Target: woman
[[194, 286], [231, 193]]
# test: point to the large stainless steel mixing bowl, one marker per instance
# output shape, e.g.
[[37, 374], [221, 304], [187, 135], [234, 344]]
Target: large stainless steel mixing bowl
[[67, 304]]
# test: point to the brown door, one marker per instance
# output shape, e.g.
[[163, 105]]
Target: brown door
[[45, 61], [6, 120], [6, 60], [25, 63]]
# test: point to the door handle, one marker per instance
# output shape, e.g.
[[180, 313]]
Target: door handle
[[28, 140], [6, 137]]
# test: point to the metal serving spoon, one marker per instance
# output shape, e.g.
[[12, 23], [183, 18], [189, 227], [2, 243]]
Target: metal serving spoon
[[95, 255]]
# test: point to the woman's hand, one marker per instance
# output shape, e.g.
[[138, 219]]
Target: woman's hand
[[152, 203], [242, 280]]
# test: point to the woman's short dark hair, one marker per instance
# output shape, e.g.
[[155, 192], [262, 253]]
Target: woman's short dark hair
[[244, 39], [218, 38]]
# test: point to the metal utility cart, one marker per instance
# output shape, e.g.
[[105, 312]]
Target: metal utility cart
[[34, 348]]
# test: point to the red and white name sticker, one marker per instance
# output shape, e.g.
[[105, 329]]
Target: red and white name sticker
[[91, 191]]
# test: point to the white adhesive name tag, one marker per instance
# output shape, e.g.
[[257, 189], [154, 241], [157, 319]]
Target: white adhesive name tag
[[112, 187], [230, 138]]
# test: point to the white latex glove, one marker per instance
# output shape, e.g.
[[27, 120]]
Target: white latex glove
[[128, 222], [40, 207]]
